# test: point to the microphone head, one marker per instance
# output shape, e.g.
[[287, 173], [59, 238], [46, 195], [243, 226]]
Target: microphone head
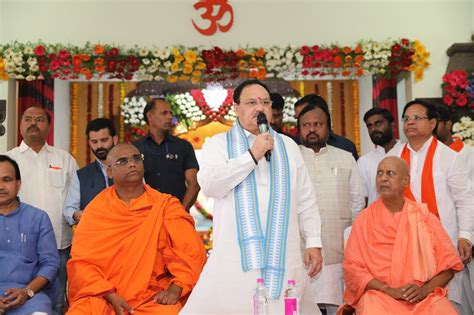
[[261, 119]]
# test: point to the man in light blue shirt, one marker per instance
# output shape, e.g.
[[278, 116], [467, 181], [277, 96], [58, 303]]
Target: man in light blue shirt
[[90, 180], [29, 259]]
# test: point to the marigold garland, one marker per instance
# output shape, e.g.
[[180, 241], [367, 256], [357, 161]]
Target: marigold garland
[[121, 98], [355, 106], [302, 93], [74, 117]]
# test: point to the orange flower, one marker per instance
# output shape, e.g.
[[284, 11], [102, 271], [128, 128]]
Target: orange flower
[[359, 58], [188, 68], [201, 66], [259, 63], [356, 65], [99, 49], [76, 60], [337, 64], [346, 50], [337, 59], [87, 73], [175, 67], [252, 62], [260, 53], [172, 78], [190, 56], [195, 80], [240, 53], [345, 73], [348, 58], [184, 77], [253, 74], [347, 65], [358, 50], [84, 57], [261, 73], [178, 58], [242, 64], [99, 68], [197, 73], [243, 75], [359, 72], [99, 62]]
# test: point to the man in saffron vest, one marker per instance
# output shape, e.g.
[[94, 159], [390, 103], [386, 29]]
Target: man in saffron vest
[[439, 179], [398, 259], [136, 249]]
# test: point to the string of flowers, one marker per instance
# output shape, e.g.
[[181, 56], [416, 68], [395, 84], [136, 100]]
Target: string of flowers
[[37, 60], [355, 106], [289, 120], [329, 98], [121, 99], [89, 118], [343, 108], [111, 101], [100, 100], [74, 118]]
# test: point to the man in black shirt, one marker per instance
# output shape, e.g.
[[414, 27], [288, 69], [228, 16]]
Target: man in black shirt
[[170, 162]]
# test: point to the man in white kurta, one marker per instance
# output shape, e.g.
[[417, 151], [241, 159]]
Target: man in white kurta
[[381, 127], [452, 189], [335, 177], [46, 171], [223, 287]]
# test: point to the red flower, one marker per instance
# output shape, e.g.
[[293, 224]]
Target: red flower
[[128, 76], [304, 50], [52, 56], [39, 50], [112, 52], [63, 54], [54, 65], [405, 42], [396, 48], [462, 100], [448, 100], [316, 49]]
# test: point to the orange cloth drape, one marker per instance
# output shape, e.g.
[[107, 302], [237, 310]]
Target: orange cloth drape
[[457, 145], [428, 194], [407, 247], [135, 250]]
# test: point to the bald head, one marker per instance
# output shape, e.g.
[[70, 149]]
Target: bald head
[[393, 176], [125, 165]]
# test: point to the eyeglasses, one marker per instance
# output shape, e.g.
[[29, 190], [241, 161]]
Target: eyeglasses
[[413, 117], [253, 102], [136, 158]]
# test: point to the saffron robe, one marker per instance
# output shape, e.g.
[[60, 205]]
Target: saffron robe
[[409, 246], [136, 250]]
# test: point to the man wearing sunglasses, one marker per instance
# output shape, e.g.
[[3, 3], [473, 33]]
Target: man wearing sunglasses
[[136, 249], [438, 179]]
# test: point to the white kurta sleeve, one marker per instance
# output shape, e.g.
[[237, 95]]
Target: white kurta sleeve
[[218, 175], [355, 190], [463, 196]]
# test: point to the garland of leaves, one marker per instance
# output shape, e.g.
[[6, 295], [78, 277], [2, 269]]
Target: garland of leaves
[[33, 61]]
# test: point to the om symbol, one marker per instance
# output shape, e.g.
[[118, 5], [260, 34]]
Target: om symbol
[[214, 19]]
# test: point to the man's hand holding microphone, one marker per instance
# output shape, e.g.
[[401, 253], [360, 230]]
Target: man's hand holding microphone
[[263, 144]]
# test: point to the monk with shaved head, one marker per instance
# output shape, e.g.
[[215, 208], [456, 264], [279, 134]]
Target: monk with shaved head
[[135, 249], [398, 259]]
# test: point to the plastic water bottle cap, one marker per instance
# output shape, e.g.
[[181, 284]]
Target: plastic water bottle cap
[[259, 280], [291, 282]]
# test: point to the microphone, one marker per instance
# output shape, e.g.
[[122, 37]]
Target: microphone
[[262, 123]]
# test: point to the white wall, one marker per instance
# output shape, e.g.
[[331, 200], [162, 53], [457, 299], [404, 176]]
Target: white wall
[[438, 24]]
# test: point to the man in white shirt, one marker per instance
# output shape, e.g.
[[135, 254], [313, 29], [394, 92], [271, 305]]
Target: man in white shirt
[[335, 177], [380, 125], [47, 172], [439, 179], [261, 208]]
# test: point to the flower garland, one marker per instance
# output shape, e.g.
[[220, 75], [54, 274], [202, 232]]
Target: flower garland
[[111, 101], [355, 105], [33, 61], [224, 111], [464, 129], [121, 101], [343, 108], [74, 118], [89, 117]]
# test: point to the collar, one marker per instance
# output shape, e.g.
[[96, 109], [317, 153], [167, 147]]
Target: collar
[[17, 209], [167, 137], [424, 147], [381, 149], [23, 147], [100, 164], [323, 150]]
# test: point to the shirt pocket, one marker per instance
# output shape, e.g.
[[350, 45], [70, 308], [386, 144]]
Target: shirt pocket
[[29, 245], [56, 177]]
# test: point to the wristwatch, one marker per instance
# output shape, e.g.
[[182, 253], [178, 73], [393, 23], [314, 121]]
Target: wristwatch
[[29, 292]]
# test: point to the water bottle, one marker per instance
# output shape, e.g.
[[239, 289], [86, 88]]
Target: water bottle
[[291, 299], [260, 299]]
